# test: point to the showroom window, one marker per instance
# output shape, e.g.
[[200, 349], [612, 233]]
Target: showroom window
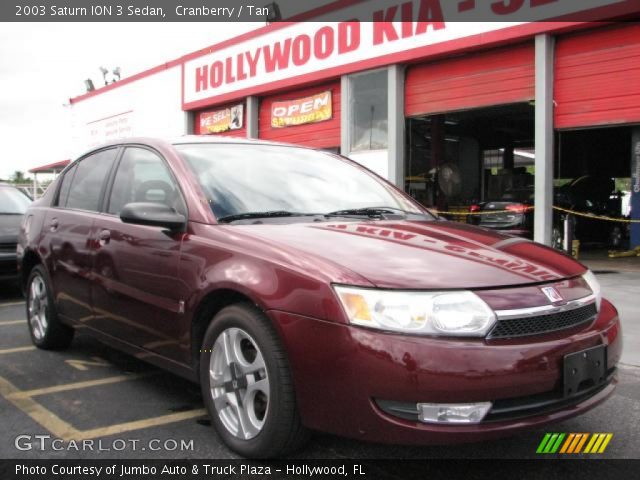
[[369, 111], [88, 180]]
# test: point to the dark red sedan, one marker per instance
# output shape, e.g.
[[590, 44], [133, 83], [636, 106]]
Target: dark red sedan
[[305, 293]]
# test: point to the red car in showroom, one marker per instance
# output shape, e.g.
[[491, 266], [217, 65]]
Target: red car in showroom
[[303, 292]]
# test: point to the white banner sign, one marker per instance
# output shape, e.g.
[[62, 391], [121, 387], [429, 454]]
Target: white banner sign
[[317, 50]]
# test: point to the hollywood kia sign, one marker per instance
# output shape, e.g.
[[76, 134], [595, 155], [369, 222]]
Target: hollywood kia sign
[[290, 53]]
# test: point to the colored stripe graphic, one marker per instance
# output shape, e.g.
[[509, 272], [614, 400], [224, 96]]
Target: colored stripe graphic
[[550, 443], [555, 447], [567, 442], [591, 443], [605, 442], [543, 443], [599, 443], [573, 443], [581, 443]]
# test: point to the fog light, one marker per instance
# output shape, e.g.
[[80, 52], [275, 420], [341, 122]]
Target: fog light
[[453, 412]]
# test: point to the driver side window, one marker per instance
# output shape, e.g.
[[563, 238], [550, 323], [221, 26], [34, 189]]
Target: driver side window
[[142, 176]]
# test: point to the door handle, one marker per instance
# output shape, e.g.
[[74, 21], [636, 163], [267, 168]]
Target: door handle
[[53, 226], [104, 236]]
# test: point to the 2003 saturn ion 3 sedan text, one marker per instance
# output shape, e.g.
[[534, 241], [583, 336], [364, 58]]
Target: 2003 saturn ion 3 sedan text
[[303, 292]]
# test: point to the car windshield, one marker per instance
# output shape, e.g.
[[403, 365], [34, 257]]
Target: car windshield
[[280, 180], [13, 201]]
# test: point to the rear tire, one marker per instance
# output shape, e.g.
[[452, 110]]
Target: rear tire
[[247, 386], [45, 328]]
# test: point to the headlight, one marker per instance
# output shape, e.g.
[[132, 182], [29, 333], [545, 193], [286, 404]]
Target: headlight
[[594, 285], [459, 313]]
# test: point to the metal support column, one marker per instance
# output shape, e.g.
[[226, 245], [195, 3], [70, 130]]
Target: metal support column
[[635, 187], [253, 110], [543, 214], [395, 86], [190, 123], [345, 109]]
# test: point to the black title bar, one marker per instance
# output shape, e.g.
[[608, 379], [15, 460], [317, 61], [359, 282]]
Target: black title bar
[[303, 469], [314, 10]]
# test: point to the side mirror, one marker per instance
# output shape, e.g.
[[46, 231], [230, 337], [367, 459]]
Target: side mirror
[[152, 214]]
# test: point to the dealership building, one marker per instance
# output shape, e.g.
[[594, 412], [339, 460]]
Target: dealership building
[[453, 112]]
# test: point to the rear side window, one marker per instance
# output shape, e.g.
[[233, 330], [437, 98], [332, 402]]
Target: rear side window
[[143, 176], [66, 184], [88, 181]]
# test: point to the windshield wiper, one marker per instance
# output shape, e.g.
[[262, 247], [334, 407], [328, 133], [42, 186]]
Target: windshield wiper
[[368, 211], [272, 213]]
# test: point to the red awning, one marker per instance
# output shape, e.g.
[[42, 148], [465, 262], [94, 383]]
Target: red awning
[[51, 168]]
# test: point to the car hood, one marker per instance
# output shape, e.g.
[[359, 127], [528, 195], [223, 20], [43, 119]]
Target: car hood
[[9, 228], [421, 255]]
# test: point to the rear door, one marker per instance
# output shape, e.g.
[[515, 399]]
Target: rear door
[[136, 290], [67, 233]]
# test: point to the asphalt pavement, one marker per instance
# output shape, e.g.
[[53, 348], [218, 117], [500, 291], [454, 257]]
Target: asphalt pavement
[[126, 408]]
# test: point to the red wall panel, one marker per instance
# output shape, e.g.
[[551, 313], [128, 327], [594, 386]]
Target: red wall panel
[[597, 77], [319, 135], [496, 77], [240, 132]]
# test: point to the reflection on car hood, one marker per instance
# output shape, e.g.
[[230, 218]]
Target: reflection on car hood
[[9, 228], [422, 255]]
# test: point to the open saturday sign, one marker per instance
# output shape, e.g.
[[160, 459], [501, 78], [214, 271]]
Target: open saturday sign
[[316, 108]]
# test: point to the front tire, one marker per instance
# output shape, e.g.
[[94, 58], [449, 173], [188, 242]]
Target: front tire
[[45, 328], [247, 386]]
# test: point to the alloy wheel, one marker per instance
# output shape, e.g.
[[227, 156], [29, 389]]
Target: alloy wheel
[[239, 383], [37, 303]]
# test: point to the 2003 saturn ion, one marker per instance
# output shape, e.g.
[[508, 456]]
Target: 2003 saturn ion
[[304, 293]]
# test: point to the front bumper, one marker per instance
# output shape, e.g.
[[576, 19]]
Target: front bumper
[[342, 372]]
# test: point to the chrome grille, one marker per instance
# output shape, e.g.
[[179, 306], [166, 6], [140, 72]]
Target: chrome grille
[[544, 323]]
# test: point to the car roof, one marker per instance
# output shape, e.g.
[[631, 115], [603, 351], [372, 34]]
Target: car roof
[[164, 142], [189, 139], [218, 139]]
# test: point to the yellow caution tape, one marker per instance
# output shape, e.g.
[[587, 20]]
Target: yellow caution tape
[[596, 217], [566, 210], [629, 253]]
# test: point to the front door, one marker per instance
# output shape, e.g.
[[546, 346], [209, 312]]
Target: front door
[[136, 290]]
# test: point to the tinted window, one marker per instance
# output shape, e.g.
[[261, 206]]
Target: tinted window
[[143, 177], [66, 184], [87, 183], [13, 201]]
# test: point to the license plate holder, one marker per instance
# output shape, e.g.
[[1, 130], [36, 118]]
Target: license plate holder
[[584, 369]]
